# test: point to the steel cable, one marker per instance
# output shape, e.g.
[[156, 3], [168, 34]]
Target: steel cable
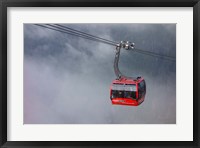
[[64, 29], [85, 33]]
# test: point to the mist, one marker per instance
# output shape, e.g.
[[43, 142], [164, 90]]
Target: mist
[[67, 78]]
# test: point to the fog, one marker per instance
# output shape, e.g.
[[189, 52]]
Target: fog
[[67, 78]]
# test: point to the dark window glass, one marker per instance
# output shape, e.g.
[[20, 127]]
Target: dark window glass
[[141, 88], [123, 94]]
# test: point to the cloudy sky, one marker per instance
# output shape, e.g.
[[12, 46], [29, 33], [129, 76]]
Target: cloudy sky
[[67, 78]]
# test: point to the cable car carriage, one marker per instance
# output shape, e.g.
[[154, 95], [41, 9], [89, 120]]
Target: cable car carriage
[[126, 90]]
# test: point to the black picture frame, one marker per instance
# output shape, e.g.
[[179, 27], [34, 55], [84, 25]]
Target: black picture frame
[[4, 4]]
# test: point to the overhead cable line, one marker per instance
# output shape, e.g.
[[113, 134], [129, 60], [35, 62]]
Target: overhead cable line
[[155, 54], [81, 34], [85, 33], [71, 33], [67, 30]]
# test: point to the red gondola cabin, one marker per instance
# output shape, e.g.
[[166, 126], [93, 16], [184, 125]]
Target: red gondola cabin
[[128, 91]]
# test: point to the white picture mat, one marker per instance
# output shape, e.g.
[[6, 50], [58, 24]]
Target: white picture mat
[[181, 131]]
